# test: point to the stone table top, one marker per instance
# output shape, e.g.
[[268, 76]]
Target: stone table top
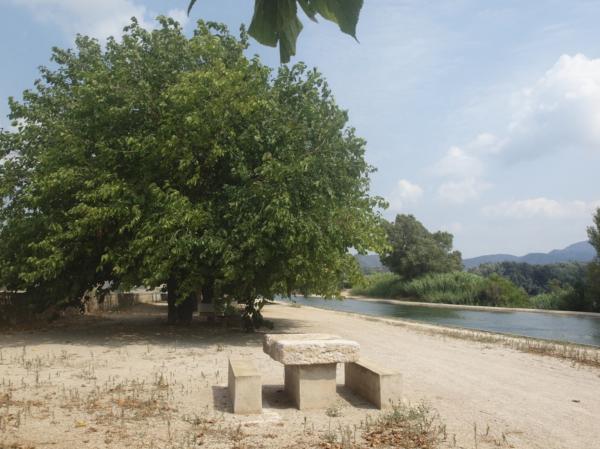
[[310, 349]]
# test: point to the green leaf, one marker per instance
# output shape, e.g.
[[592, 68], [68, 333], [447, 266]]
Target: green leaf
[[263, 27], [308, 9], [276, 21], [190, 6], [343, 12]]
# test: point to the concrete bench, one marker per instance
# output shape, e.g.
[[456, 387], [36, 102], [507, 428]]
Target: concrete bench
[[310, 365], [245, 387], [375, 384]]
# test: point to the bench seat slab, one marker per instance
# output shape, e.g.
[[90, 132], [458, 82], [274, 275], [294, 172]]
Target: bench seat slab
[[310, 349]]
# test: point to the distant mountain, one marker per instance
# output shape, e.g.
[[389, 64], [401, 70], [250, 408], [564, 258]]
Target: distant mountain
[[577, 252], [370, 263]]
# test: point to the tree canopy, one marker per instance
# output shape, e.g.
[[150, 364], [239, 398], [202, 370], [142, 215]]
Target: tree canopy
[[276, 22], [594, 233], [414, 251], [166, 160], [593, 281]]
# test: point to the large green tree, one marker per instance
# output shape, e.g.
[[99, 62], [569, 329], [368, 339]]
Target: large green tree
[[594, 233], [276, 22], [414, 251], [162, 160]]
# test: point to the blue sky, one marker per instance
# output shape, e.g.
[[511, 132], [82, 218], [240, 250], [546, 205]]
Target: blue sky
[[483, 118]]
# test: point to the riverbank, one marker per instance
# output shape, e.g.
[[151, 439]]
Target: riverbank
[[409, 302], [524, 396], [126, 379]]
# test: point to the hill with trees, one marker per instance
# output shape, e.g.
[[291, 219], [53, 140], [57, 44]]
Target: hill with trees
[[577, 252]]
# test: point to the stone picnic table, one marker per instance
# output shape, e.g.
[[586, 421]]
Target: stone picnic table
[[310, 362]]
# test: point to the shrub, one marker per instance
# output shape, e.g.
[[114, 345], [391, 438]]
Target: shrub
[[379, 285], [500, 292], [576, 298], [452, 288]]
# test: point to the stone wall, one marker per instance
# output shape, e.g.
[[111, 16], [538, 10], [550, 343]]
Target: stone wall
[[120, 301], [16, 309]]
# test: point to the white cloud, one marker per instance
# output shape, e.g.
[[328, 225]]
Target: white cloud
[[485, 143], [405, 193], [464, 170], [96, 18], [463, 190], [540, 208], [455, 227], [458, 163], [561, 111]]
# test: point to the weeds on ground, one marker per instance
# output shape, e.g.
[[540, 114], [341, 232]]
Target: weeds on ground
[[406, 426], [335, 411]]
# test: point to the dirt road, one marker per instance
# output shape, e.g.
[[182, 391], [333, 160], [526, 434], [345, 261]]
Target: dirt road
[[127, 380]]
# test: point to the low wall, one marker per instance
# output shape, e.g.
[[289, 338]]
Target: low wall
[[15, 308], [119, 301]]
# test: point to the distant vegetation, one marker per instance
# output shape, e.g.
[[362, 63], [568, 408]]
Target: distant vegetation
[[449, 288], [536, 279], [425, 269], [414, 251], [467, 288]]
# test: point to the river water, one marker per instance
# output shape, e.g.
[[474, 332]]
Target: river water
[[551, 326]]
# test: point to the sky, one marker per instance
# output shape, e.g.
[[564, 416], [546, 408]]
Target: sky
[[482, 118]]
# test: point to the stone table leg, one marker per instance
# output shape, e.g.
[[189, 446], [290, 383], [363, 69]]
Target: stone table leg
[[311, 386]]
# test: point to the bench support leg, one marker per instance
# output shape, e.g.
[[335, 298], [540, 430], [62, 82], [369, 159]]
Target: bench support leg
[[245, 388], [311, 386], [381, 389]]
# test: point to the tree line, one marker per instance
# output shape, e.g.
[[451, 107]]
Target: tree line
[[425, 267]]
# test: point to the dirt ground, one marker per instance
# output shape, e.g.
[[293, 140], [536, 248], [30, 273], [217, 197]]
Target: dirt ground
[[126, 379]]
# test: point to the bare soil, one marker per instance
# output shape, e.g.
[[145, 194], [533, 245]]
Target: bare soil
[[126, 379]]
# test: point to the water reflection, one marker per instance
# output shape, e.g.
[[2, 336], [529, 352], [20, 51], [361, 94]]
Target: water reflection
[[577, 329]]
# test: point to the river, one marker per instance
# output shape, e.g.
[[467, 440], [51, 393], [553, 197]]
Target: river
[[583, 329]]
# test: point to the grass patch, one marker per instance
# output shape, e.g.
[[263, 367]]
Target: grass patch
[[449, 288]]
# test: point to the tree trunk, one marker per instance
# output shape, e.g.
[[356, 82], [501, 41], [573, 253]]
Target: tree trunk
[[171, 301], [208, 295], [185, 310], [182, 312], [208, 292]]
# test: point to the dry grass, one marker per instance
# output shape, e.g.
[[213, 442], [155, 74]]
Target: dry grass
[[404, 426], [410, 427], [576, 354]]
